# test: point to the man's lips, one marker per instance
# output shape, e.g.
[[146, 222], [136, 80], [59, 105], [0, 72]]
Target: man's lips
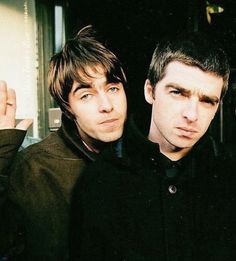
[[187, 129], [109, 121], [187, 132]]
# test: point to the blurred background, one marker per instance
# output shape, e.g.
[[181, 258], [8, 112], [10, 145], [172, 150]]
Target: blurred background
[[33, 30]]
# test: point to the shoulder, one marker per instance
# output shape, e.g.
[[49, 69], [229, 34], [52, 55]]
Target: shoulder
[[45, 162], [53, 146], [214, 158]]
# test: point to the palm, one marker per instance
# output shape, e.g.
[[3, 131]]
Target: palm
[[8, 109]]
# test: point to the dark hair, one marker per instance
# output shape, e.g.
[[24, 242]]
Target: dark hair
[[193, 49], [72, 63]]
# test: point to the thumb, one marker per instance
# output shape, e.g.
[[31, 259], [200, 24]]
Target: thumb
[[24, 124]]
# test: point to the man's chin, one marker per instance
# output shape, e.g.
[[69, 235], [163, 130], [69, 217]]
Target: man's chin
[[184, 145], [180, 142], [111, 137]]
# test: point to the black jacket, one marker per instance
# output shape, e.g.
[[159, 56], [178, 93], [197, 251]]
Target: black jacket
[[40, 187], [140, 206]]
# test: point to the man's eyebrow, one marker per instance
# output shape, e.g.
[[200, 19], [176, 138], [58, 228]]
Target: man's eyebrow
[[178, 87], [81, 86], [203, 97], [213, 99]]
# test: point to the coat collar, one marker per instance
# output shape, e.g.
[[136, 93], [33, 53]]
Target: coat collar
[[69, 133]]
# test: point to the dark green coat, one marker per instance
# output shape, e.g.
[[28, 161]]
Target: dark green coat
[[10, 141], [41, 183], [140, 206]]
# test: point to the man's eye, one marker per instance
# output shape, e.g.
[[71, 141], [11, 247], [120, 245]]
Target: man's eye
[[113, 89], [176, 92], [85, 97]]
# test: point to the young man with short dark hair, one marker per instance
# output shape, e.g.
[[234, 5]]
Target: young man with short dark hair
[[169, 193]]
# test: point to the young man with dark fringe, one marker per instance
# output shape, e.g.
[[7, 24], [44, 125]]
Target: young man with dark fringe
[[88, 83]]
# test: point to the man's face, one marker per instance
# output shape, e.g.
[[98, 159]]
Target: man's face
[[183, 105], [99, 107]]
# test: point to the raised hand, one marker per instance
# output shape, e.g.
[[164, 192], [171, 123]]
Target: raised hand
[[8, 109]]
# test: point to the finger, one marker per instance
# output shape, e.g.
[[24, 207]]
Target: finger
[[11, 103], [3, 97], [24, 124]]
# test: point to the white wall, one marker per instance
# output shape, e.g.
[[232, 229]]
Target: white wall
[[18, 57]]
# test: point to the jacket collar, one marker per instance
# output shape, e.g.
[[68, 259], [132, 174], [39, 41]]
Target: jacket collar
[[69, 133], [136, 141]]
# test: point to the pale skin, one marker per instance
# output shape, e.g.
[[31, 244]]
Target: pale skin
[[99, 107], [183, 103], [8, 110]]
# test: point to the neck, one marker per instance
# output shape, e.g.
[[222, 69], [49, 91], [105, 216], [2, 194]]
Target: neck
[[174, 155]]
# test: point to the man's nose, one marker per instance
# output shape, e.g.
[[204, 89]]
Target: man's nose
[[190, 111], [105, 104]]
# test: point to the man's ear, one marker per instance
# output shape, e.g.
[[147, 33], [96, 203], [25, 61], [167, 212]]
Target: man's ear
[[148, 92]]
